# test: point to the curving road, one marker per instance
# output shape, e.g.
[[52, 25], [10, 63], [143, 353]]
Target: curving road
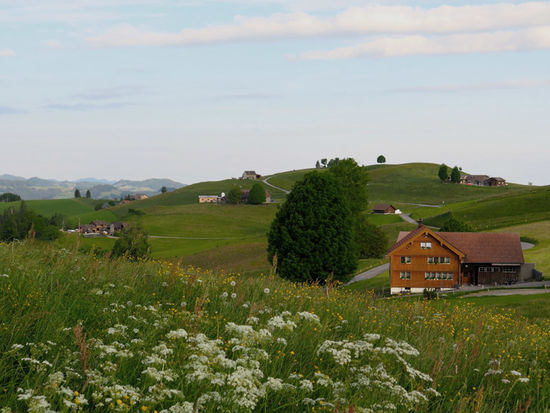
[[276, 187]]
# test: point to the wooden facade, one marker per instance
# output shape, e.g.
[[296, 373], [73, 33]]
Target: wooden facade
[[423, 259], [384, 209], [426, 261]]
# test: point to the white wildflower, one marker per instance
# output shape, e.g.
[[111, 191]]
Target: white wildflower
[[305, 315], [515, 373], [179, 333], [225, 294], [306, 385], [233, 283], [233, 295], [267, 290], [17, 346], [24, 394], [4, 275], [523, 380], [165, 284], [505, 381]]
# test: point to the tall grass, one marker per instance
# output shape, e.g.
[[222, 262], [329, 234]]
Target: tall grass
[[78, 332]]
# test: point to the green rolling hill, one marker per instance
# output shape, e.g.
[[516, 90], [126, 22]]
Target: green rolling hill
[[234, 236]]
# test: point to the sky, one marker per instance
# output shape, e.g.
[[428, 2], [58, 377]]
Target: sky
[[197, 90]]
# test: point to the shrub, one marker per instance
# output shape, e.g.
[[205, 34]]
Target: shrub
[[133, 244]]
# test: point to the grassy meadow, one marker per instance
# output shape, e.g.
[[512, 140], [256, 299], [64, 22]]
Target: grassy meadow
[[84, 333]]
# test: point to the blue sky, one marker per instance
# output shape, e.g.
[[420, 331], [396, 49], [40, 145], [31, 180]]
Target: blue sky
[[203, 89]]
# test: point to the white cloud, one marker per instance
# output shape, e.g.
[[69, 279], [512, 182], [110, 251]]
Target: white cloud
[[6, 52], [369, 20], [501, 41]]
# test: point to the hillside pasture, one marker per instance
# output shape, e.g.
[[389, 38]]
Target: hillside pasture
[[496, 212], [78, 332]]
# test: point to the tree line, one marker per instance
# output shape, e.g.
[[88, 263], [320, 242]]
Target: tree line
[[20, 223], [454, 176]]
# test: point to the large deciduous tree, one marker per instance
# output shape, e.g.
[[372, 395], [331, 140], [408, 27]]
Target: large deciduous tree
[[381, 159], [257, 194], [455, 175], [312, 235]]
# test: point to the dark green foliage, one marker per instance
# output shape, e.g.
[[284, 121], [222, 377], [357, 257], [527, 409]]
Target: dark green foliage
[[455, 225], [455, 175], [370, 240], [88, 194], [257, 194], [132, 244], [112, 203], [443, 172], [312, 235], [381, 159], [137, 212], [163, 189], [234, 195], [324, 162], [22, 223], [530, 240], [317, 165], [352, 180], [77, 193], [333, 162], [9, 197]]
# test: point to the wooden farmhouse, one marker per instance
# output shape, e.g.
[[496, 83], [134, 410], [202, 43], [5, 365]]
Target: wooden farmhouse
[[384, 209], [250, 175], [447, 260]]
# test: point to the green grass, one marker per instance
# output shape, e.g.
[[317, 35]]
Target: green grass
[[379, 219], [535, 307], [128, 317], [500, 211], [208, 220], [286, 180], [418, 183], [189, 195]]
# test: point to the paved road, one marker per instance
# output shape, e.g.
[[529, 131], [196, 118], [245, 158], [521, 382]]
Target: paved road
[[526, 245], [422, 205], [407, 217], [373, 272], [276, 187]]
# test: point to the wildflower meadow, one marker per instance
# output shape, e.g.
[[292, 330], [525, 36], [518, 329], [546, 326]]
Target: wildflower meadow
[[82, 333]]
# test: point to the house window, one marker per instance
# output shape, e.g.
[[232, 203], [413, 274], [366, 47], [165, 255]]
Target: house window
[[405, 260], [405, 275], [425, 245], [449, 275], [430, 260], [426, 275], [445, 260]]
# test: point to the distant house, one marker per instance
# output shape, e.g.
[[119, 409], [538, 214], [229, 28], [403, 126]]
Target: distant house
[[115, 227], [482, 180], [250, 175], [384, 209], [424, 258], [209, 199], [101, 228], [496, 181], [140, 197]]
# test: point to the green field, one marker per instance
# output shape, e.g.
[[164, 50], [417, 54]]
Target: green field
[[215, 235], [79, 333]]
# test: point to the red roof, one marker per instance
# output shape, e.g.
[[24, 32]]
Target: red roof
[[478, 247], [487, 247]]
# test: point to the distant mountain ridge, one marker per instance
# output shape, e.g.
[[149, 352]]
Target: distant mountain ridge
[[38, 188]]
